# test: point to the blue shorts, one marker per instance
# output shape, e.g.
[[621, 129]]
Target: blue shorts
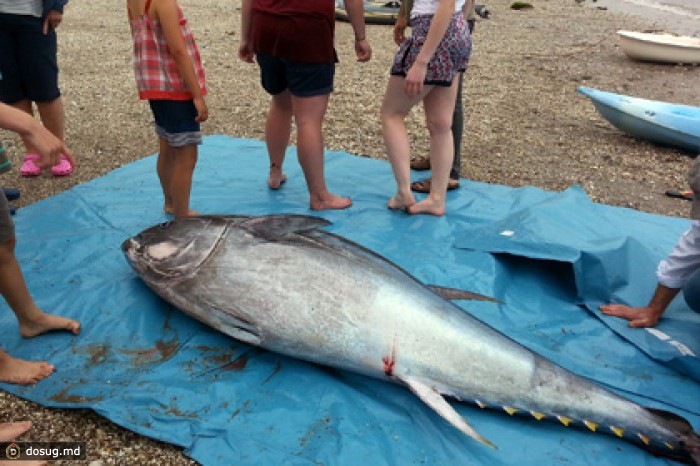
[[302, 79], [175, 122], [28, 64], [7, 227]]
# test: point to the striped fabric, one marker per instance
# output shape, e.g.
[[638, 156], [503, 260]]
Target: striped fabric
[[157, 76]]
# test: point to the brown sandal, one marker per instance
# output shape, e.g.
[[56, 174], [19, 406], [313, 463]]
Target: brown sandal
[[420, 164], [423, 186]]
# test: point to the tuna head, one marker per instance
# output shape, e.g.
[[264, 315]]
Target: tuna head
[[174, 250]]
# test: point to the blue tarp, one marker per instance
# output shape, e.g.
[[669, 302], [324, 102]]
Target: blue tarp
[[552, 258]]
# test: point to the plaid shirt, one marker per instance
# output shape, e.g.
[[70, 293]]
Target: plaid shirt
[[157, 76]]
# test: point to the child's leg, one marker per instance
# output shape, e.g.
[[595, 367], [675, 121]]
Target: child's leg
[[19, 371], [438, 105], [165, 167], [308, 115], [32, 320], [184, 161], [394, 109], [278, 129]]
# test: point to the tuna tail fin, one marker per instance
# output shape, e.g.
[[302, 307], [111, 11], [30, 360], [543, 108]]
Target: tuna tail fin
[[689, 440], [435, 400]]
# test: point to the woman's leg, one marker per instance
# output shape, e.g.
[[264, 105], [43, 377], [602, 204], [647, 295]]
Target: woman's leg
[[278, 130], [439, 106], [395, 107]]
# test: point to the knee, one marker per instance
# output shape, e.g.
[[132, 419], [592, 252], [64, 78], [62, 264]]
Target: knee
[[439, 126], [691, 291]]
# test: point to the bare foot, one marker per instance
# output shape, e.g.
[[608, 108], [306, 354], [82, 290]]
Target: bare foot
[[401, 201], [428, 206], [190, 213], [21, 372], [9, 431], [40, 322], [277, 178], [168, 209], [329, 201]]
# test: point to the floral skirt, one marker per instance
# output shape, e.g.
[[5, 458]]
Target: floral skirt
[[450, 58]]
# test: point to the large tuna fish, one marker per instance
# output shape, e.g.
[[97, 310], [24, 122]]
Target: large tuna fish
[[281, 283]]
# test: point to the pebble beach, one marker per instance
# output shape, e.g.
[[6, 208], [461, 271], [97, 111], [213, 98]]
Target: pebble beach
[[526, 125]]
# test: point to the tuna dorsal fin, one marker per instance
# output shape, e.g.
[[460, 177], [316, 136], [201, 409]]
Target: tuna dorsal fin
[[435, 400], [454, 293], [273, 227]]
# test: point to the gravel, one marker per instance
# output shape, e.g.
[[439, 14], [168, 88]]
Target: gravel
[[526, 125]]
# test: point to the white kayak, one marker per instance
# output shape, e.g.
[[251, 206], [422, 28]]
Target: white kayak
[[661, 48], [667, 124]]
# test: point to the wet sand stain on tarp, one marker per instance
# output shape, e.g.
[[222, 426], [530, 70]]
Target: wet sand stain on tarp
[[64, 397], [162, 351]]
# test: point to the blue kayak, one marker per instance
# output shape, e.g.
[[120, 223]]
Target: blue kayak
[[667, 124]]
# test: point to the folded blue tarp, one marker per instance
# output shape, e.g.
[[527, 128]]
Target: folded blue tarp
[[551, 257]]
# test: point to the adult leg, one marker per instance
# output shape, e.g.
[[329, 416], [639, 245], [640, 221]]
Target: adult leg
[[457, 129], [439, 106], [308, 116], [278, 130], [9, 431], [395, 107], [184, 161]]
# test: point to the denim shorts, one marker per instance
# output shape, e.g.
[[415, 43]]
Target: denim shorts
[[175, 122], [302, 79], [28, 64], [7, 227]]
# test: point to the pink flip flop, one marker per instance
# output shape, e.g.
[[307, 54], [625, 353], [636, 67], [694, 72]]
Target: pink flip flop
[[63, 168], [29, 166]]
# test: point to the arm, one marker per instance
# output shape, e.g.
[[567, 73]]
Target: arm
[[401, 23], [356, 14], [647, 316], [245, 50], [438, 28], [166, 13], [49, 146]]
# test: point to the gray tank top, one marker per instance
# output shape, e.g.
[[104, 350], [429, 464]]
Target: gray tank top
[[22, 7]]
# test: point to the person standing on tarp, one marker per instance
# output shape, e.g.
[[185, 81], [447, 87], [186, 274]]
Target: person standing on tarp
[[680, 271], [292, 42], [32, 320]]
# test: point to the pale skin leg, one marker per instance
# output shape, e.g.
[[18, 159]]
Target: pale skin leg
[[278, 130], [9, 431], [438, 105], [308, 116], [394, 109], [32, 320], [175, 169]]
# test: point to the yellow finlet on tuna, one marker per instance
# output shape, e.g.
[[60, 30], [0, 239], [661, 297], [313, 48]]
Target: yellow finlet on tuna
[[481, 404], [591, 425], [510, 410], [617, 431], [537, 415], [669, 446], [644, 438], [564, 420]]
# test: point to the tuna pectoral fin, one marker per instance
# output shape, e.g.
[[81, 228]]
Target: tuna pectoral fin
[[454, 293], [436, 401]]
